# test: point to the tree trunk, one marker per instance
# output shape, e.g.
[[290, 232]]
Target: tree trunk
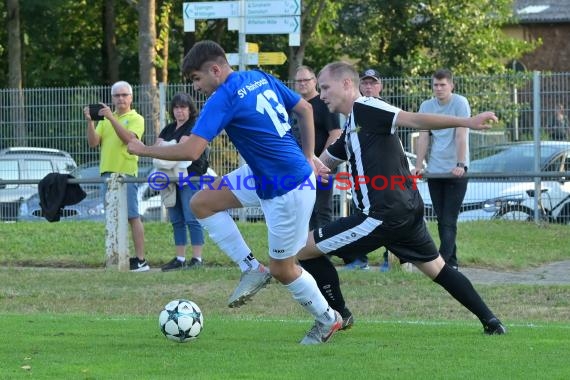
[[16, 98], [110, 56], [164, 40], [147, 71]]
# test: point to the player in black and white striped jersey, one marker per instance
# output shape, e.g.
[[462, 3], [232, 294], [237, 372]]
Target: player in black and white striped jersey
[[388, 207]]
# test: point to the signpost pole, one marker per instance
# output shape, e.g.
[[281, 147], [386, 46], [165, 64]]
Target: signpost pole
[[242, 45]]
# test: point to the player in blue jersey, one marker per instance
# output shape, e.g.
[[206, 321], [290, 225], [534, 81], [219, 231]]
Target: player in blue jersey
[[252, 108]]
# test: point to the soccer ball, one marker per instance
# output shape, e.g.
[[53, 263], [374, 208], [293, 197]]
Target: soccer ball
[[181, 320]]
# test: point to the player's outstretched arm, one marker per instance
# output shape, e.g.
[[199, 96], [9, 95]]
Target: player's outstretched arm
[[188, 150], [435, 121], [483, 120]]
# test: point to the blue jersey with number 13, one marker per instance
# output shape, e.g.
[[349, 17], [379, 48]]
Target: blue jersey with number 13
[[252, 107]]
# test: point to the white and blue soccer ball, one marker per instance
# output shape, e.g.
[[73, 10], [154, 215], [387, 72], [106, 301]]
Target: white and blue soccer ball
[[181, 320]]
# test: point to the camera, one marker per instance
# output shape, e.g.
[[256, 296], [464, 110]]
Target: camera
[[94, 112]]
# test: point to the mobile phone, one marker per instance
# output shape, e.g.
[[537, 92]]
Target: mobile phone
[[94, 111]]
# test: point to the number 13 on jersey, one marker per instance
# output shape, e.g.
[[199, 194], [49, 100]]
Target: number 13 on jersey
[[275, 110]]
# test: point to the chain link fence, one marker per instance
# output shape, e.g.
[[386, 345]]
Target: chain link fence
[[528, 105]]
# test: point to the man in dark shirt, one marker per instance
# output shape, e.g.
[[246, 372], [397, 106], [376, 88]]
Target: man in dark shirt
[[327, 130]]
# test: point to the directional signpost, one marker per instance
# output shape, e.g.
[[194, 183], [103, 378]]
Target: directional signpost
[[264, 8], [208, 10], [274, 17], [251, 17], [272, 58], [272, 25], [261, 59]]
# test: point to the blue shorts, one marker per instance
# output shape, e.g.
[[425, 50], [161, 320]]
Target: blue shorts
[[132, 196]]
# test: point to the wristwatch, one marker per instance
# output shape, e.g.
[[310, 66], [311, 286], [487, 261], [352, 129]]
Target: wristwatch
[[461, 165]]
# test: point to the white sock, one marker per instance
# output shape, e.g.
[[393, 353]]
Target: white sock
[[181, 258], [306, 292], [224, 232]]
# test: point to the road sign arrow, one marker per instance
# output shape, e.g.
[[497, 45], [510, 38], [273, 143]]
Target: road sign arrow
[[272, 58]]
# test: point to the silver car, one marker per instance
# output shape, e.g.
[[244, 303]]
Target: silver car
[[513, 197]]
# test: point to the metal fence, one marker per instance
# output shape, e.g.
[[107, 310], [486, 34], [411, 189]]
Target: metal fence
[[52, 117]]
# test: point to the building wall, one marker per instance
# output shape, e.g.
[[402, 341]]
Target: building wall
[[553, 54]]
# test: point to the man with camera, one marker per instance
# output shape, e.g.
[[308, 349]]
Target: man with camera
[[113, 132]]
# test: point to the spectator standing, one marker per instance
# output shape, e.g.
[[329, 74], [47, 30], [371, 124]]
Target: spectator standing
[[448, 154], [558, 127], [370, 83], [184, 113], [112, 136], [327, 130]]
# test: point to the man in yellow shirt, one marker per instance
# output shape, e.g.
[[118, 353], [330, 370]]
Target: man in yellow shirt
[[112, 134]]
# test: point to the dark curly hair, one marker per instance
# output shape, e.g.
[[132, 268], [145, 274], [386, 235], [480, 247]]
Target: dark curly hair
[[184, 100]]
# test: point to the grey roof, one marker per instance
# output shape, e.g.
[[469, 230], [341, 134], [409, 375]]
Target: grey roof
[[542, 11]]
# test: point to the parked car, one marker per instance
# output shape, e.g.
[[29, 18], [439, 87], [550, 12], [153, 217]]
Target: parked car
[[27, 163], [92, 207], [513, 198]]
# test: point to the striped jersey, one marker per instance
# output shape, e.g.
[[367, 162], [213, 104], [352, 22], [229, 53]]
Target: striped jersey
[[380, 176]]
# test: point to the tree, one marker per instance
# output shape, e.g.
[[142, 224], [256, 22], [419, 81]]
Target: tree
[[147, 59], [14, 45], [163, 41], [16, 98], [316, 32], [109, 51], [406, 37]]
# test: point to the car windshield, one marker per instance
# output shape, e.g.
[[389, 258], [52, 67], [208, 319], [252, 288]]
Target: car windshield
[[89, 171], [512, 159], [9, 169]]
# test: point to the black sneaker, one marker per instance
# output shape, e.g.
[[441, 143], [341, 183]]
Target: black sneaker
[[494, 327], [137, 265], [173, 264], [347, 319], [193, 264]]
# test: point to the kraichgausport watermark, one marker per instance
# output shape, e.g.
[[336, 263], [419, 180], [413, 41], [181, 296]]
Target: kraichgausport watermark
[[341, 181]]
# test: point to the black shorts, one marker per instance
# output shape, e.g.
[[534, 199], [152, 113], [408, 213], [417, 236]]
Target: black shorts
[[358, 234]]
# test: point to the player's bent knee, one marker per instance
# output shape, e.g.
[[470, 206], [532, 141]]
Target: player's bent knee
[[284, 271]]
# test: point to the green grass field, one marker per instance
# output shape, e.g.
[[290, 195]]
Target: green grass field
[[64, 316]]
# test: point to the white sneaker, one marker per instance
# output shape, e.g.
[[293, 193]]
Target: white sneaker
[[321, 333], [251, 282]]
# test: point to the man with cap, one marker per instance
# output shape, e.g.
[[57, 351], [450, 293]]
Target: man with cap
[[370, 83]]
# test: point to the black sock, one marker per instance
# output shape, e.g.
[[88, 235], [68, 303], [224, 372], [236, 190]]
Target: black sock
[[462, 290], [326, 276]]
